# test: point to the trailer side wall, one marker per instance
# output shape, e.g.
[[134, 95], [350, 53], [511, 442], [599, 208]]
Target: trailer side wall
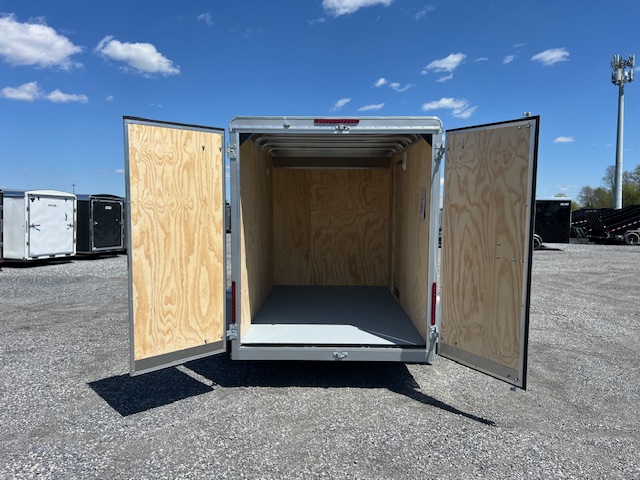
[[256, 224], [411, 232]]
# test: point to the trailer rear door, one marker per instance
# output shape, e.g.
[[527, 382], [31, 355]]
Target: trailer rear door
[[107, 224], [51, 225], [488, 214], [175, 197]]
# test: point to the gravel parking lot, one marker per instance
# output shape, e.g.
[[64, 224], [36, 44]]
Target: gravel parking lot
[[70, 409]]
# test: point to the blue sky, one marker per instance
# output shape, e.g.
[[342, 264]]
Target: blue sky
[[69, 71]]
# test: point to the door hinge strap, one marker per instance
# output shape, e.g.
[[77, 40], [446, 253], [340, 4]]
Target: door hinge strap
[[232, 332]]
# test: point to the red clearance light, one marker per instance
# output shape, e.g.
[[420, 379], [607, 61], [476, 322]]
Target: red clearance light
[[434, 295], [336, 121], [233, 302]]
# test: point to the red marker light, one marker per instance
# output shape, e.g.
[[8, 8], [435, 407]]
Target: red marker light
[[336, 121], [233, 302], [434, 296]]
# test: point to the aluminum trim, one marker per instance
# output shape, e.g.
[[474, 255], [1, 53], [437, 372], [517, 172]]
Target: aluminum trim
[[484, 365], [172, 359]]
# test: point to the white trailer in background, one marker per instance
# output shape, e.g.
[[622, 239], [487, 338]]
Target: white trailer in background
[[334, 241], [38, 224]]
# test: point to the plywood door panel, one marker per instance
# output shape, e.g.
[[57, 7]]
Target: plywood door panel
[[177, 241], [332, 226], [485, 249]]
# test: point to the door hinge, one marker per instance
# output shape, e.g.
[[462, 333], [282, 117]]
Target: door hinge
[[232, 332], [439, 152], [434, 335], [231, 151]]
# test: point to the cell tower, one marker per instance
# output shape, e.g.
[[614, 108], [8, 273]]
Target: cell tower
[[619, 77]]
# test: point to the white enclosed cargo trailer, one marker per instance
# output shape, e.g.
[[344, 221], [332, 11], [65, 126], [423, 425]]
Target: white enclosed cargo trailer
[[38, 224], [334, 248]]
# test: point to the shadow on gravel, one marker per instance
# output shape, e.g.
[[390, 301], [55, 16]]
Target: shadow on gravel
[[129, 395]]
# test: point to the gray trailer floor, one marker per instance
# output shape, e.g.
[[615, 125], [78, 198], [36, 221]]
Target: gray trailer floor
[[332, 315]]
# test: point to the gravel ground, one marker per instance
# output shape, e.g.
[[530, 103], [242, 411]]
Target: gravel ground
[[70, 410]]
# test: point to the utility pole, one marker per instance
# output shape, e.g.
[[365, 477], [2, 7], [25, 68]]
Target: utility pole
[[73, 186], [619, 77]]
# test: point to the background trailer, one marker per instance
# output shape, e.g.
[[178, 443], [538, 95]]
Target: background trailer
[[38, 224], [100, 224], [553, 219], [334, 241]]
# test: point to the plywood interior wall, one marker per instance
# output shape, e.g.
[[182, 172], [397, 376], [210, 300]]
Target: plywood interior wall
[[177, 250], [257, 227], [331, 226], [483, 251], [410, 239]]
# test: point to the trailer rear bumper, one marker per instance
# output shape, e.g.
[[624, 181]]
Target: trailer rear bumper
[[326, 354]]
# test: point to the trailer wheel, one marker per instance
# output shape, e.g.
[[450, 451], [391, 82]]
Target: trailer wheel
[[632, 238], [537, 242]]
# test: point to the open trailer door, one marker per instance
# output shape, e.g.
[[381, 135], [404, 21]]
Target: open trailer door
[[488, 214], [176, 239]]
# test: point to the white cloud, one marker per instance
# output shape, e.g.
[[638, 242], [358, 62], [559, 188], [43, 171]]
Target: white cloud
[[400, 88], [35, 44], [447, 64], [460, 107], [340, 103], [565, 188], [508, 59], [563, 140], [58, 97], [118, 170], [206, 18], [141, 57], [518, 45], [368, 108], [481, 59], [380, 82], [30, 92], [423, 11], [317, 20], [445, 78], [551, 56], [110, 98], [464, 113], [346, 7]]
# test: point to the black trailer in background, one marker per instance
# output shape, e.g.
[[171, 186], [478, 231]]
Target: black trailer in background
[[100, 224], [606, 225], [553, 219]]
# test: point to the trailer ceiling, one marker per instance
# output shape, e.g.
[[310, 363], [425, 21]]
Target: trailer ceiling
[[333, 150]]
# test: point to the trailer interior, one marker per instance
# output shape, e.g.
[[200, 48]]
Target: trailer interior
[[334, 239]]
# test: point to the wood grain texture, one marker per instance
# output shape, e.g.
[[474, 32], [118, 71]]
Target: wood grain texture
[[483, 246], [256, 224], [331, 226], [177, 234], [411, 233]]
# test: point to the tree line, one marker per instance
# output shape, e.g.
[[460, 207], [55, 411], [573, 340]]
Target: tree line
[[602, 196]]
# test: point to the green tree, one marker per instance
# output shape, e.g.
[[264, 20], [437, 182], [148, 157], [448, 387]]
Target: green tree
[[602, 197]]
